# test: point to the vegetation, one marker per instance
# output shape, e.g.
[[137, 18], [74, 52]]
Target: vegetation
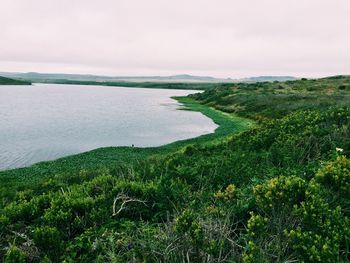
[[266, 100], [8, 81], [277, 192]]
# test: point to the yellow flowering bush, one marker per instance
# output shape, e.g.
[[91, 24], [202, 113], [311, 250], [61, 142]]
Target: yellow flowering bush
[[187, 224], [309, 217], [322, 231], [256, 224], [228, 194], [336, 175], [280, 192]]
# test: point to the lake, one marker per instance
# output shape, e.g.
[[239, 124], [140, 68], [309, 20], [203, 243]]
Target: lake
[[47, 121]]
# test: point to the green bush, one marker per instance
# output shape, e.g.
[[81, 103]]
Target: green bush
[[302, 217], [14, 255], [282, 192], [48, 240]]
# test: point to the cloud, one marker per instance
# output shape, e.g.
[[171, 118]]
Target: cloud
[[222, 38]]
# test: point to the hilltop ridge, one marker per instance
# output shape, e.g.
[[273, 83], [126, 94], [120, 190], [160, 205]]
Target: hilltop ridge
[[9, 81], [48, 77]]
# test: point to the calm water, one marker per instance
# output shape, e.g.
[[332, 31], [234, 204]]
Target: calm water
[[48, 121]]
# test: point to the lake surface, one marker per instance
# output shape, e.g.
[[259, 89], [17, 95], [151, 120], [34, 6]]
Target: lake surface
[[47, 121]]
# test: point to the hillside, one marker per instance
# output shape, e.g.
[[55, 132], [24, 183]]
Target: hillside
[[267, 78], [268, 100], [273, 191], [8, 81]]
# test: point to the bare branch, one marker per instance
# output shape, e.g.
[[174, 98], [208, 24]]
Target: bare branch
[[125, 199]]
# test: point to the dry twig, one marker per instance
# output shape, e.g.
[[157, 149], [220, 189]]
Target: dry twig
[[125, 199]]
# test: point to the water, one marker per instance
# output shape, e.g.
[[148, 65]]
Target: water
[[48, 121]]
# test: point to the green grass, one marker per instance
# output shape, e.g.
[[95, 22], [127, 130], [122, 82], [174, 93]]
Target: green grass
[[114, 157]]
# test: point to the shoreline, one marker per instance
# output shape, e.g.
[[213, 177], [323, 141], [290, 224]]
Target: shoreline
[[114, 157], [131, 84]]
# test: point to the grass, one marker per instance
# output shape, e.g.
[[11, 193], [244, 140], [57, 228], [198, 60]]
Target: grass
[[114, 157]]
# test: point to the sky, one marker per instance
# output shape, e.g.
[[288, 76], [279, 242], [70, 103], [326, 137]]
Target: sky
[[221, 38]]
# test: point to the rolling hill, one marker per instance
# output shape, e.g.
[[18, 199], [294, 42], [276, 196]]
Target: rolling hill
[[9, 81]]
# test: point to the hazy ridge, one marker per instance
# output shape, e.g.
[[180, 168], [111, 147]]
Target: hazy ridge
[[34, 76]]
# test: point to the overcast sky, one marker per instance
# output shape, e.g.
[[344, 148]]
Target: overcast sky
[[224, 38]]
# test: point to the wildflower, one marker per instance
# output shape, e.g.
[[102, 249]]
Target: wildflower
[[339, 149]]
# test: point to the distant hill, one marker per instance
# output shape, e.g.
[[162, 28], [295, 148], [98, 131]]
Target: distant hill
[[9, 81], [268, 78], [39, 77], [183, 78]]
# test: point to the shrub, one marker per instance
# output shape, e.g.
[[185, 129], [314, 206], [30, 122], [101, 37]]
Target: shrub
[[322, 231], [14, 255], [301, 219], [48, 240], [281, 192], [336, 175]]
